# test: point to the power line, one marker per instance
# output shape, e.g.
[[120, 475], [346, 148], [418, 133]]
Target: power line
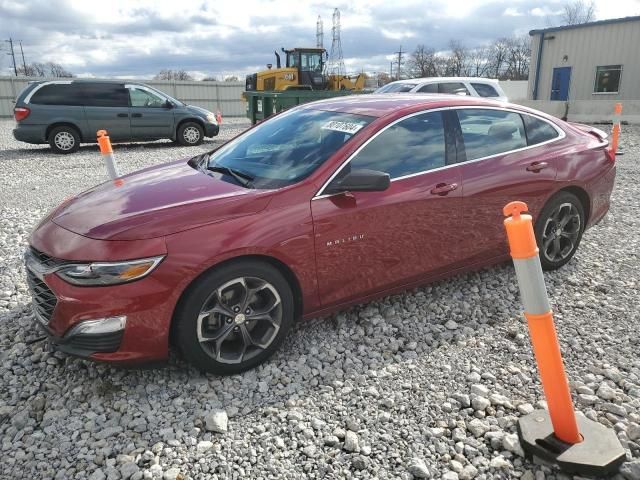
[[13, 56]]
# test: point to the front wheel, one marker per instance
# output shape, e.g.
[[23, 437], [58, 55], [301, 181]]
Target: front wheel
[[559, 230], [234, 317], [190, 134]]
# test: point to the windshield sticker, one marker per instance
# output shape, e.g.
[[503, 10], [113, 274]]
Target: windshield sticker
[[345, 127]]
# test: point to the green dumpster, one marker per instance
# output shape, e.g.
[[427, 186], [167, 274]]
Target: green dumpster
[[261, 105]]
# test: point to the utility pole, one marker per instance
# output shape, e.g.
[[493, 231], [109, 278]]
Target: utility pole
[[390, 70], [13, 56], [24, 64], [400, 52]]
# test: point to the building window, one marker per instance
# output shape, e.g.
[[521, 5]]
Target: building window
[[608, 79]]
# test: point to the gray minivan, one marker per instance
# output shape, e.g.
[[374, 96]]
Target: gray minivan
[[65, 113]]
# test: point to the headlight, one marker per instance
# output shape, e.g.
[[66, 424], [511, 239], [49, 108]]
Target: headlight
[[111, 273], [211, 118]]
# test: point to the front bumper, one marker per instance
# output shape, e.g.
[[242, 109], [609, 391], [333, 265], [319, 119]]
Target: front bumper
[[60, 307], [211, 129]]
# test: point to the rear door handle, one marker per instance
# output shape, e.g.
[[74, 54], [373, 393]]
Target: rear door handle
[[537, 166], [122, 115], [443, 188], [136, 115]]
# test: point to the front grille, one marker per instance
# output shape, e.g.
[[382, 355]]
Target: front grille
[[45, 260], [44, 300]]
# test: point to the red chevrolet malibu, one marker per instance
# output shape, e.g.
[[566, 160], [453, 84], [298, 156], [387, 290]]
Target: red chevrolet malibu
[[323, 206]]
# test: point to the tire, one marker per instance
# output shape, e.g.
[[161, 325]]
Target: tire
[[558, 243], [64, 139], [190, 134], [201, 318]]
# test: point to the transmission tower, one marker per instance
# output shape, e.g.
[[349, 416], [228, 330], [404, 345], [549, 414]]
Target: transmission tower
[[335, 65], [319, 34]]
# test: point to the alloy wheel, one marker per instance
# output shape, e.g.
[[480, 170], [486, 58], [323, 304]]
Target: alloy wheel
[[191, 134], [64, 141], [239, 320], [561, 232]]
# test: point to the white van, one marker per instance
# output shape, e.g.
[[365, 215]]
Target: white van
[[473, 86]]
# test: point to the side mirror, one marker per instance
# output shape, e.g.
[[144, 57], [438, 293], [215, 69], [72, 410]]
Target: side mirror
[[361, 180], [168, 104]]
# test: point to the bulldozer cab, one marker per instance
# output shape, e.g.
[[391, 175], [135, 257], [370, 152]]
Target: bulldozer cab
[[310, 64]]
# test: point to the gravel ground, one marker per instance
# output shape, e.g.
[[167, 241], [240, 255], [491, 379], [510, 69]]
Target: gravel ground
[[427, 384]]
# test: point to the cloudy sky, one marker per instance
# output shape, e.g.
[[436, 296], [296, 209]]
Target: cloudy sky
[[130, 38]]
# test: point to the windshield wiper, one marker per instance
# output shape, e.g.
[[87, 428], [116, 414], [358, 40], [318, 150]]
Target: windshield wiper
[[242, 178]]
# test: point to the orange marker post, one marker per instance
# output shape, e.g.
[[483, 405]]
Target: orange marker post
[[615, 134], [107, 153], [553, 435]]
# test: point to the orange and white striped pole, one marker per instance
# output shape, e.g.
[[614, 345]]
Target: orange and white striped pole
[[524, 251], [615, 134], [107, 153]]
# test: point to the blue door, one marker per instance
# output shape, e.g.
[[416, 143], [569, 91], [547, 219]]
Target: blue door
[[560, 83]]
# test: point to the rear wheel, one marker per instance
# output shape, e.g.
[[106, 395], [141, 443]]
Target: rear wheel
[[190, 134], [559, 230], [234, 317], [64, 139]]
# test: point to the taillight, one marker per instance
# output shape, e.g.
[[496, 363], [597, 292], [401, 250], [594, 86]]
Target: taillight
[[20, 113]]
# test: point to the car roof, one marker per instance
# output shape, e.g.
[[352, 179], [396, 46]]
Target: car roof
[[382, 104], [448, 79]]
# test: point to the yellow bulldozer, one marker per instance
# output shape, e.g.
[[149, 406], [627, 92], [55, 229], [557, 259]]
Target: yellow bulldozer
[[304, 69]]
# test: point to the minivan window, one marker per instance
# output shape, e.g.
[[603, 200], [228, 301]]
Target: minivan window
[[487, 132], [57, 94], [396, 88], [429, 88], [413, 145], [143, 98], [288, 147], [538, 130], [454, 88], [105, 95], [485, 90]]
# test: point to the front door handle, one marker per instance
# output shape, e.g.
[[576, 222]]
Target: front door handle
[[136, 115], [123, 115], [537, 166], [443, 188]]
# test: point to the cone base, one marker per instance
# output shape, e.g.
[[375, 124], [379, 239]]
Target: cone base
[[599, 454]]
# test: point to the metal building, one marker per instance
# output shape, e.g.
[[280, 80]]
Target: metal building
[[592, 61]]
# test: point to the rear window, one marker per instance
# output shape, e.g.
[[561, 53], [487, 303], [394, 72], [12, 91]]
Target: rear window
[[485, 90], [57, 94], [538, 131], [396, 88], [105, 95]]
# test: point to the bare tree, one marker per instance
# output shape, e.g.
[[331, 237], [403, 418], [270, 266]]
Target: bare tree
[[578, 11], [168, 74], [457, 60], [479, 61], [518, 58], [382, 78], [231, 78], [211, 78], [49, 69], [498, 53], [422, 62]]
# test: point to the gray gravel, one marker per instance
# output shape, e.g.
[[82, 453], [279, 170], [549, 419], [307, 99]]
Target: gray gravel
[[427, 384]]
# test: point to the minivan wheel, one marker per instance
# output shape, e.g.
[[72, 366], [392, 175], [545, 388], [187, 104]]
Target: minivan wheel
[[190, 134], [234, 317], [64, 139], [559, 230]]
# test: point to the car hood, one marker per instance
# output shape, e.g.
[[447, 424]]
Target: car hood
[[157, 201], [200, 110]]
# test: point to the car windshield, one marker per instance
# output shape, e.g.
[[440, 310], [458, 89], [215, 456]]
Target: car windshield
[[288, 147], [396, 88]]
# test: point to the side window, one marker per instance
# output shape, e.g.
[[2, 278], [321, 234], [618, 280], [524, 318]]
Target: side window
[[538, 131], [105, 95], [413, 145], [485, 90], [429, 88], [57, 94], [143, 98], [454, 88], [487, 132]]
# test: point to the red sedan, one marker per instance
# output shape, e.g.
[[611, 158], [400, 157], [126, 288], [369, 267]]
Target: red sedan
[[323, 206]]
